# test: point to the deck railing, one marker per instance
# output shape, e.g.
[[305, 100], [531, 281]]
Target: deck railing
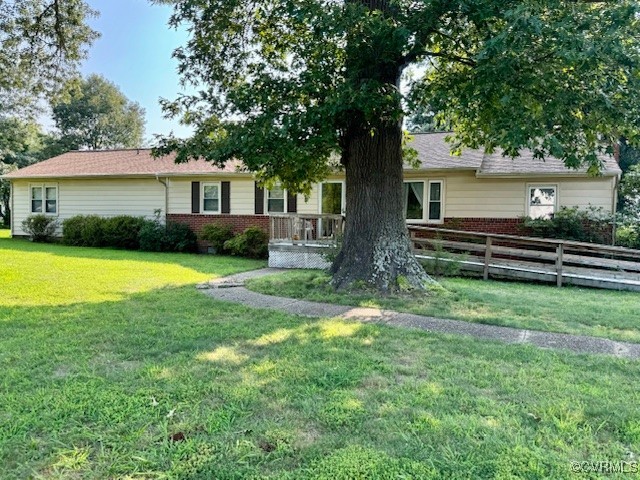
[[305, 229], [532, 258]]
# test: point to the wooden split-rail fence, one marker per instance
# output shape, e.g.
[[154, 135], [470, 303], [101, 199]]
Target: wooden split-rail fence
[[529, 258], [484, 254]]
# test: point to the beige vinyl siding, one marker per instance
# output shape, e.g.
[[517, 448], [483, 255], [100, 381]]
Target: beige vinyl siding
[[21, 206], [242, 193], [179, 196], [312, 205], [598, 192], [466, 196], [469, 197], [107, 198]]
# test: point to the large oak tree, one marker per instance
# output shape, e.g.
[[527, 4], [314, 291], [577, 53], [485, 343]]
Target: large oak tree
[[289, 85]]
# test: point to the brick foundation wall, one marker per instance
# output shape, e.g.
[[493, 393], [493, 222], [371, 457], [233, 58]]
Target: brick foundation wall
[[505, 226], [237, 222]]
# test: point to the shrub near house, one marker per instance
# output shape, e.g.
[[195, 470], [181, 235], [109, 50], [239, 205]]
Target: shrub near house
[[40, 228], [126, 232], [572, 223], [137, 233]]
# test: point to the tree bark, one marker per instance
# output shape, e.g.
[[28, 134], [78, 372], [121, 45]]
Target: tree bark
[[376, 248]]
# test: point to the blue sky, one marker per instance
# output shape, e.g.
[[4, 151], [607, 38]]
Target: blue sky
[[134, 52]]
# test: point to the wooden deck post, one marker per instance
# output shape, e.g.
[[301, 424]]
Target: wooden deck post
[[272, 228], [487, 258], [559, 261]]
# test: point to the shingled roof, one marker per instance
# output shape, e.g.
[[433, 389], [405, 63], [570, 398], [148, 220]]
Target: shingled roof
[[119, 163], [433, 154]]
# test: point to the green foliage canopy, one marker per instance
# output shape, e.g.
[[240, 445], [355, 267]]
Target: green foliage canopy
[[41, 45], [630, 191], [96, 115], [22, 142], [280, 81]]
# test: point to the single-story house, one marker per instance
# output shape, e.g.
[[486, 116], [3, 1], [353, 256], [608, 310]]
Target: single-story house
[[474, 191]]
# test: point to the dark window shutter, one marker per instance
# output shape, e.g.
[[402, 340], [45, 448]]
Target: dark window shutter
[[195, 197], [292, 203], [259, 200], [226, 197]]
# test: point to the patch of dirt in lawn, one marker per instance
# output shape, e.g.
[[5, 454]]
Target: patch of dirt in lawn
[[112, 365], [63, 371]]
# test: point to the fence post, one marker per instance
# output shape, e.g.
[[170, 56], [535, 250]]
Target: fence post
[[559, 261], [487, 258]]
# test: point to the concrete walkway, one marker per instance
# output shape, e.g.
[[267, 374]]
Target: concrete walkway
[[231, 289]]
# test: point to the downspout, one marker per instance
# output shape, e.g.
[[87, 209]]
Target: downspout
[[12, 209], [166, 196]]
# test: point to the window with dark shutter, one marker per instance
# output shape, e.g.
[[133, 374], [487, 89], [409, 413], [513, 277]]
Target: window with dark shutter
[[226, 197], [195, 197], [292, 203], [259, 203]]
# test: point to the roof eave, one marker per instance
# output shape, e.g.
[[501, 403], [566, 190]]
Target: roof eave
[[441, 170], [124, 175], [544, 174]]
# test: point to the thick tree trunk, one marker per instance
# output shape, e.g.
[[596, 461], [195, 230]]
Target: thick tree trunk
[[376, 247], [5, 212]]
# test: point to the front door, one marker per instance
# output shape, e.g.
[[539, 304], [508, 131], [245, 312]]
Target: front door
[[331, 203]]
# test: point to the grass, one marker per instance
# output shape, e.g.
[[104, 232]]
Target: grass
[[131, 377], [599, 313], [42, 274]]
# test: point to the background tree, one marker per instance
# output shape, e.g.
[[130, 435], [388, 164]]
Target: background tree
[[285, 85], [630, 192], [628, 219], [41, 45], [22, 143], [5, 194], [96, 115], [629, 156], [422, 119]]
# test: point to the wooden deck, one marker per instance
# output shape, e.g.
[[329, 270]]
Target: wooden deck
[[527, 258]]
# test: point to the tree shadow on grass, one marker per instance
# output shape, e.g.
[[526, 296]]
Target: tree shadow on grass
[[173, 383]]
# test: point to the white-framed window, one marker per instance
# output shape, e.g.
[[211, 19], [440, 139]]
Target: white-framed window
[[276, 199], [542, 200], [44, 199], [435, 209], [211, 197], [413, 198], [423, 201]]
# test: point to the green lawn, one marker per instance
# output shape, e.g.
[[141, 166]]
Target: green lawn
[[122, 354], [600, 313]]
